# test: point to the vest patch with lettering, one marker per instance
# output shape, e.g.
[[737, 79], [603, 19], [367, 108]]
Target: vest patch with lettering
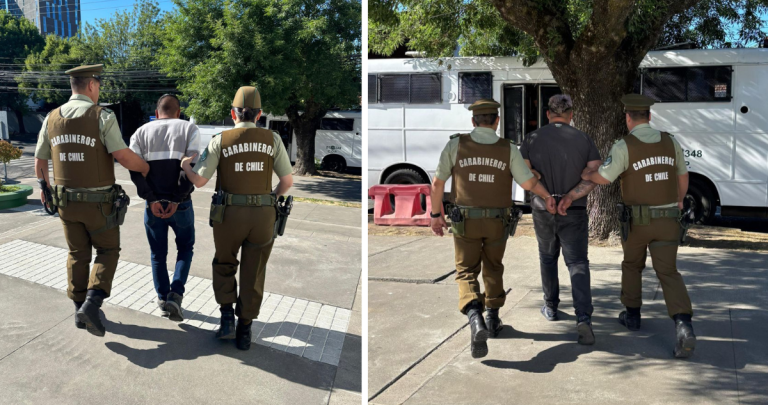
[[481, 174], [80, 158], [651, 176], [246, 161]]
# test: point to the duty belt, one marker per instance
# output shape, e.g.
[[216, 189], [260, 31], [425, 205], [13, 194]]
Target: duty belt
[[90, 196], [251, 200], [480, 213], [665, 213]]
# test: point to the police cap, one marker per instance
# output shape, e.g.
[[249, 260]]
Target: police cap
[[484, 106], [86, 71], [637, 102], [247, 97]]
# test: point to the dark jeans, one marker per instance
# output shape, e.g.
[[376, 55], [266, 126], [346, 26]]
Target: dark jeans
[[572, 234], [183, 224]]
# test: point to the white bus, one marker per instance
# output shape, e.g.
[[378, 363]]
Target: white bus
[[338, 143], [715, 102]]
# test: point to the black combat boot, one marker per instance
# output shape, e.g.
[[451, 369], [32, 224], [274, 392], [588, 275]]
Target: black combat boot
[[493, 322], [630, 318], [89, 312], [685, 339], [78, 324], [478, 331], [584, 329], [227, 327], [244, 334]]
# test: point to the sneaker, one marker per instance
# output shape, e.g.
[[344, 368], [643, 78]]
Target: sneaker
[[173, 305], [584, 329], [163, 310], [549, 311]]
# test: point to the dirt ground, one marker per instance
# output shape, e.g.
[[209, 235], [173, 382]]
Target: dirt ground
[[702, 236]]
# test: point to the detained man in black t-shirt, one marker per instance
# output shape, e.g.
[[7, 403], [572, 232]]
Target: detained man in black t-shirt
[[557, 153]]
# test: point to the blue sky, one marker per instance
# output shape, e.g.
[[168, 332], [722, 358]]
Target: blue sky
[[93, 9]]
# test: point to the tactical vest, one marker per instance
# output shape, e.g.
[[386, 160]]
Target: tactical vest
[[80, 158], [651, 176], [481, 174], [246, 161]]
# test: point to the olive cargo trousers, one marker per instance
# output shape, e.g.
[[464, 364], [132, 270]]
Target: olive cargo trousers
[[482, 243], [252, 229], [661, 237], [78, 218]]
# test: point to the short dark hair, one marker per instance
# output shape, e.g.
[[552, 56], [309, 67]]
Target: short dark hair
[[639, 115], [485, 119], [246, 114], [168, 104], [79, 83]]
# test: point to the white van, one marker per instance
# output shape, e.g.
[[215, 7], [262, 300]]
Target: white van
[[338, 143], [715, 102]]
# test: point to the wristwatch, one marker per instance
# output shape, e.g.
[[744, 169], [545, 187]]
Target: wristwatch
[[438, 215]]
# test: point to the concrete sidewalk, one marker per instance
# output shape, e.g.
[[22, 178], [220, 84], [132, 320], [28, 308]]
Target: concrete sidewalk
[[145, 358], [418, 341]]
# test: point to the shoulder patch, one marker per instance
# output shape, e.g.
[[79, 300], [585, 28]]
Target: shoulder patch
[[204, 155], [607, 161]]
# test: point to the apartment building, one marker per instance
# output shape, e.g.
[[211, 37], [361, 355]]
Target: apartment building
[[59, 17]]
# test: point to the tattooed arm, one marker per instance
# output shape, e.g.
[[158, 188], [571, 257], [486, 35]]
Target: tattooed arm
[[581, 190]]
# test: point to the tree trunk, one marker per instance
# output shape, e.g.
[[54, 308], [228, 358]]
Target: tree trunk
[[596, 86], [305, 125]]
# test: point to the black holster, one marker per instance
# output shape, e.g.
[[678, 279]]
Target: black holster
[[625, 220], [457, 219], [514, 218], [283, 207], [217, 208]]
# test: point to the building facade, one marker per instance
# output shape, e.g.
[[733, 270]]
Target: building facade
[[58, 17]]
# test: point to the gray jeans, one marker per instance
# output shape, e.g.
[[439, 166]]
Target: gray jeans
[[570, 233]]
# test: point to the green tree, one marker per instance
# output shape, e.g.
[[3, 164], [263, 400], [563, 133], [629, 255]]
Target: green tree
[[592, 47], [302, 55], [18, 38], [126, 43]]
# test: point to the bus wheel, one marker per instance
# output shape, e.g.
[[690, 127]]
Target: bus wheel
[[334, 164], [700, 197], [405, 176]]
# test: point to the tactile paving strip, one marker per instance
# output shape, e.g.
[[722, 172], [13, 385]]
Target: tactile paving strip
[[304, 328]]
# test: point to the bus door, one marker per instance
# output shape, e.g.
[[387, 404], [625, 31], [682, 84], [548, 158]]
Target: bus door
[[513, 113], [285, 129], [545, 92], [513, 124]]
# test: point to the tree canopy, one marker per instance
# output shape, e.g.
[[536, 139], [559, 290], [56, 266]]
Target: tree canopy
[[21, 39], [302, 55]]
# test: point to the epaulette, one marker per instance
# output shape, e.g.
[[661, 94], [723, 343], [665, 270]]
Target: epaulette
[[455, 136], [107, 110], [216, 135]]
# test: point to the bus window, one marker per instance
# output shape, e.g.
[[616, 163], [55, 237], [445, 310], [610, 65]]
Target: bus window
[[337, 124]]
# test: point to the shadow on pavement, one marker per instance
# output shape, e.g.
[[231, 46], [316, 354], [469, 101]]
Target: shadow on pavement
[[340, 189], [191, 343]]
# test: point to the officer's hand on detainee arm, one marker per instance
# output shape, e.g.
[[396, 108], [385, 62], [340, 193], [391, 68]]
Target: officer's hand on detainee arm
[[537, 174], [186, 162], [437, 225], [587, 173]]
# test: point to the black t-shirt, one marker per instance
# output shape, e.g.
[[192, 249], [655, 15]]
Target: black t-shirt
[[560, 153]]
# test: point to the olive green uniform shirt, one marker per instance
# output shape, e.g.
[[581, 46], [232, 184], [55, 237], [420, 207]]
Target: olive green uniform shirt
[[209, 161], [618, 159], [77, 105], [520, 171]]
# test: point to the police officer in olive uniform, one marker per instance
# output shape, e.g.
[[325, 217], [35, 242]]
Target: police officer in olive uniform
[[654, 181], [83, 139], [482, 166], [244, 159]]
